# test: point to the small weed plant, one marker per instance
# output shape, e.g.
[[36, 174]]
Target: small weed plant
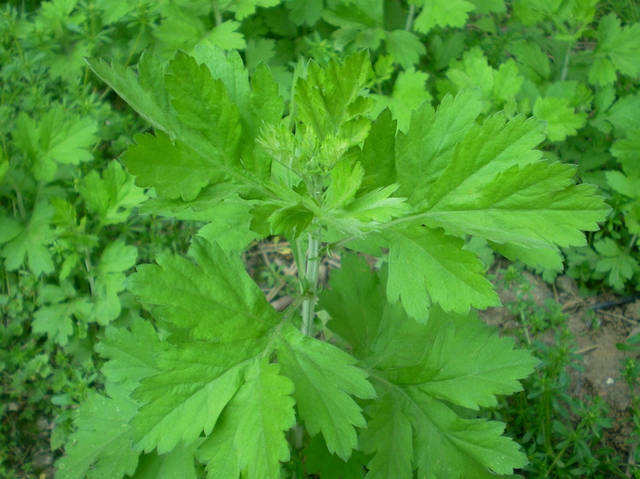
[[211, 377]]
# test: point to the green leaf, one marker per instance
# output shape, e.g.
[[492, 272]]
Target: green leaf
[[101, 446], [558, 117], [619, 265], [253, 426], [195, 381], [346, 178], [623, 115], [325, 380], [619, 45], [116, 258], [231, 229], [211, 297], [328, 97], [419, 371], [319, 461], [441, 13], [145, 94], [128, 363], [172, 168], [409, 93], [405, 47], [389, 434], [178, 463], [32, 242], [378, 153], [423, 153], [498, 87], [203, 104], [245, 8], [355, 301], [531, 206], [111, 197], [56, 138], [427, 266], [54, 317], [226, 36]]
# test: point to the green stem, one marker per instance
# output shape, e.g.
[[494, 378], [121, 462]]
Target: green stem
[[557, 458], [409, 24], [216, 13], [565, 64], [312, 268], [632, 242]]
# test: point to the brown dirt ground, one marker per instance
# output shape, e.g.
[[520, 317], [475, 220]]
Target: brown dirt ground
[[596, 344]]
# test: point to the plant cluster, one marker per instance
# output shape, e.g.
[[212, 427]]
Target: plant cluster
[[341, 154]]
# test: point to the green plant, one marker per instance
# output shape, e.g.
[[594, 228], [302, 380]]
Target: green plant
[[562, 432], [220, 378]]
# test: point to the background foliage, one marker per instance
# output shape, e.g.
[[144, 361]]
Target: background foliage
[[70, 222]]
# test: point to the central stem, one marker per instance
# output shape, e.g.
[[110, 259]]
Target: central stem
[[312, 264]]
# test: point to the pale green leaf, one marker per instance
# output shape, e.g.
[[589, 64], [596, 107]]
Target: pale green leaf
[[172, 168], [328, 97], [531, 205], [423, 153], [226, 36], [252, 426], [441, 13], [427, 266], [409, 93], [325, 379], [619, 45], [405, 47], [101, 445], [112, 196], [213, 298], [558, 117], [150, 103]]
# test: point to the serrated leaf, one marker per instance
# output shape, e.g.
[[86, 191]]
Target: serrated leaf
[[179, 463], [619, 265], [425, 150], [559, 118], [378, 153], [419, 370], [144, 94], [57, 138], [32, 242], [244, 8], [427, 266], [531, 206], [355, 302], [195, 381], [389, 437], [325, 380], [203, 104], [619, 45], [405, 47], [226, 36], [111, 196], [172, 168], [441, 13], [101, 446], [211, 296], [128, 363], [253, 426], [327, 96], [409, 93]]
